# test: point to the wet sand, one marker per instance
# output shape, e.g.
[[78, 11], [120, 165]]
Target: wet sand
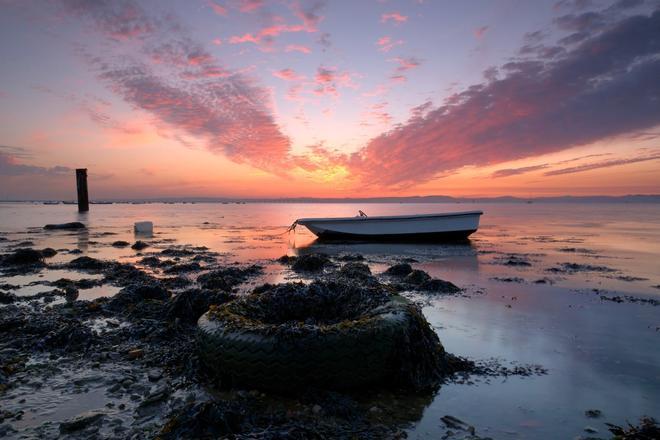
[[568, 289]]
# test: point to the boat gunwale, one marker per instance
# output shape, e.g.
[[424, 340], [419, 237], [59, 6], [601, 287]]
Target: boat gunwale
[[303, 221]]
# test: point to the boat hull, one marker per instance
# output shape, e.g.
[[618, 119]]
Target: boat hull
[[428, 227]]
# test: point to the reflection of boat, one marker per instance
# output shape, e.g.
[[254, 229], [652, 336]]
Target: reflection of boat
[[422, 227]]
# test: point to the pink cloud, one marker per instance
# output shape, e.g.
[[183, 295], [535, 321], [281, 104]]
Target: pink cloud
[[385, 44], [250, 5], [298, 48], [395, 17], [480, 32], [328, 80], [288, 75], [217, 41], [376, 114], [406, 64], [182, 86], [218, 8]]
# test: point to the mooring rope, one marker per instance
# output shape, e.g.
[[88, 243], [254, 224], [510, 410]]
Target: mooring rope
[[291, 228]]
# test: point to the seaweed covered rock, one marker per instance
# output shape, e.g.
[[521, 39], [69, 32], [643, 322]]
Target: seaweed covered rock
[[137, 293], [189, 305], [333, 335], [356, 271], [65, 226], [310, 263], [139, 245], [399, 270], [120, 243], [48, 252], [23, 257], [86, 263], [417, 277], [228, 277]]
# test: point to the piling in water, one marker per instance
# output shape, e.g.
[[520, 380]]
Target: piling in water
[[81, 181]]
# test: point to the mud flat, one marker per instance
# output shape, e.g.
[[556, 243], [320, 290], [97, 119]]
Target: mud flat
[[99, 336]]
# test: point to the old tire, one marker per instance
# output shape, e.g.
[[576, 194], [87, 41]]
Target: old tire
[[347, 354]]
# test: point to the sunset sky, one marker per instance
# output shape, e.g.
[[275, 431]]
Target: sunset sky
[[286, 98]]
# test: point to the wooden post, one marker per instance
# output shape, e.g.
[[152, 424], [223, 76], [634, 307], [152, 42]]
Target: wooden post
[[81, 181]]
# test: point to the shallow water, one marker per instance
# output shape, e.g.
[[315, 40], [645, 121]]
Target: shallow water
[[599, 354]]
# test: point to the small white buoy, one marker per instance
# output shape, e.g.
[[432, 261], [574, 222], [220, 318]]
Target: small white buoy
[[143, 227]]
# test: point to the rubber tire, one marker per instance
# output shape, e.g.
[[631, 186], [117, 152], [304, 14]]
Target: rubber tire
[[330, 360]]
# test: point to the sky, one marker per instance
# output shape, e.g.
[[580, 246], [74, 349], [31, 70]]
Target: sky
[[334, 98]]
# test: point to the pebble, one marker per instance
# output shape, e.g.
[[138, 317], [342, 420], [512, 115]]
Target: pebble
[[316, 409], [80, 421], [154, 375]]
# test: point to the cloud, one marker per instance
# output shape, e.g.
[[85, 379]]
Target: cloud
[[250, 5], [218, 8], [515, 171], [536, 106], [480, 32], [324, 41], [10, 165], [298, 48], [288, 75], [602, 164], [164, 72], [385, 44], [406, 64], [328, 80], [394, 17]]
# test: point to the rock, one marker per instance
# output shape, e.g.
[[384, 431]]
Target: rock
[[350, 257], [160, 393], [310, 263], [593, 413], [80, 421], [354, 270], [590, 430], [66, 226], [399, 270], [48, 252], [182, 268], [286, 259], [154, 375], [86, 263], [139, 245], [417, 277], [228, 277], [7, 298], [23, 257], [316, 409], [120, 243], [138, 293], [189, 305], [439, 286], [135, 353]]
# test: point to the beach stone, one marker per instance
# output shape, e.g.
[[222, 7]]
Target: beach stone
[[120, 243], [417, 277], [86, 263], [154, 375], [399, 270], [139, 245], [80, 421], [65, 226], [593, 413], [23, 257], [48, 252], [135, 354]]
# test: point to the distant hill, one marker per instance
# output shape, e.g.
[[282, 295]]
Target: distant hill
[[639, 198]]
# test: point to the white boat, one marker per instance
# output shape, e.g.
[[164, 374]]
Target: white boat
[[422, 227]]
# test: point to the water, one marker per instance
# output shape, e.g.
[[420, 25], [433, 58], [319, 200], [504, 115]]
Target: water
[[599, 354]]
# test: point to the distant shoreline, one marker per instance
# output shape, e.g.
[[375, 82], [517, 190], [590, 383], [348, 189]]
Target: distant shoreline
[[637, 198]]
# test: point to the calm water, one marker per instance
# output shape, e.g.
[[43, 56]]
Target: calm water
[[600, 354]]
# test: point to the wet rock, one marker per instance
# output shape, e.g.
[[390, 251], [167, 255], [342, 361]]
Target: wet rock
[[154, 375], [188, 306], [139, 245], [150, 261], [65, 226], [48, 252], [310, 263], [350, 257], [86, 263], [134, 294], [509, 279], [135, 353], [417, 277], [575, 268], [516, 260], [593, 413], [120, 243], [176, 252], [227, 278], [648, 429], [23, 257], [158, 395], [183, 268], [81, 421], [7, 298], [286, 259], [399, 270], [359, 271], [205, 420], [439, 286]]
